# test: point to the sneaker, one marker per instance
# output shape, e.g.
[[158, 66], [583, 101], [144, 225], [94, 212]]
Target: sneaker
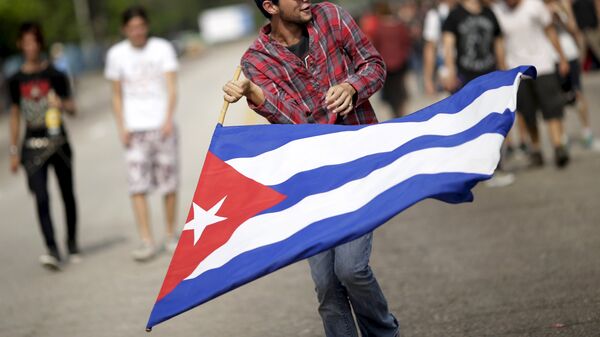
[[51, 261], [144, 252], [74, 255], [561, 157], [536, 160], [501, 180], [590, 143], [171, 244], [595, 147]]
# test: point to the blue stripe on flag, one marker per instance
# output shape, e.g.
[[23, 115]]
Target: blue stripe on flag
[[312, 240], [331, 177]]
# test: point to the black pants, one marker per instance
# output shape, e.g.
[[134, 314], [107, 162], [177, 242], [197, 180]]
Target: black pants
[[38, 185]]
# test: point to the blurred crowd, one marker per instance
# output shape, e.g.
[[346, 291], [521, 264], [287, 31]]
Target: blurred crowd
[[448, 43]]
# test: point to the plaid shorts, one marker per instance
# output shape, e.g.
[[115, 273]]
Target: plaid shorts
[[152, 162]]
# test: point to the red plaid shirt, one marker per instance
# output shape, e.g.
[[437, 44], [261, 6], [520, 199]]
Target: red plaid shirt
[[295, 91]]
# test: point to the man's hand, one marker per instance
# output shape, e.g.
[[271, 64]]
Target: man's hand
[[451, 81], [563, 68], [125, 137], [167, 128], [339, 99], [14, 163], [235, 90]]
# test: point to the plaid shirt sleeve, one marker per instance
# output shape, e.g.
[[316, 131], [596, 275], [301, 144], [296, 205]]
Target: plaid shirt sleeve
[[370, 71], [278, 107]]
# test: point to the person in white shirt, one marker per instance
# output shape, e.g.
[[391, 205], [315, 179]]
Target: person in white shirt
[[531, 39], [143, 72], [433, 57]]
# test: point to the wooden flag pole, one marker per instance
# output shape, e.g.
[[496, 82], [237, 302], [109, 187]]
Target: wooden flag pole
[[236, 77]]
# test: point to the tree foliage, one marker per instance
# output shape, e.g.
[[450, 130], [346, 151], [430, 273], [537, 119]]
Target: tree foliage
[[56, 16], [59, 21]]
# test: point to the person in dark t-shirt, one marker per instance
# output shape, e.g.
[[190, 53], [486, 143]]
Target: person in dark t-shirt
[[473, 43], [39, 95]]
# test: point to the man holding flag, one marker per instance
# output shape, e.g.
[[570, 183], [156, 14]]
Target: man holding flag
[[312, 64], [272, 195]]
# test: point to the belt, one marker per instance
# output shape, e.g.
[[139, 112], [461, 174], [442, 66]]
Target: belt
[[37, 143]]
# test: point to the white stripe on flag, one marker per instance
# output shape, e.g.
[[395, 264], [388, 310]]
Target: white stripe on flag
[[479, 156], [277, 166]]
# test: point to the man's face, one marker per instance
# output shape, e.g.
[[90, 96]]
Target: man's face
[[136, 31], [30, 46], [295, 11]]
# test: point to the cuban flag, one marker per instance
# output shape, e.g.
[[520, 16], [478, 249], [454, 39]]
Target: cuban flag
[[271, 195]]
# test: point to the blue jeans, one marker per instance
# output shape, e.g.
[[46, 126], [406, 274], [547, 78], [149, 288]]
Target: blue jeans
[[343, 281]]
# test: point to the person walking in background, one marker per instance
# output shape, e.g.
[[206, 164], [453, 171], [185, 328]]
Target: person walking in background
[[531, 39], [473, 44], [412, 17], [142, 70], [434, 72], [586, 14], [568, 35], [392, 40], [312, 64], [40, 95]]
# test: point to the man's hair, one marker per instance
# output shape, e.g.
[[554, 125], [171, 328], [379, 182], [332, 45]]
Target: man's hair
[[32, 27], [259, 3], [132, 12]]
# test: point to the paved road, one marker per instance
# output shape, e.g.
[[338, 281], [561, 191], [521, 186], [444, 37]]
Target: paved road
[[518, 261]]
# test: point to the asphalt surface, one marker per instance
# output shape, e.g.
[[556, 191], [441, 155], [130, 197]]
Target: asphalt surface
[[522, 260]]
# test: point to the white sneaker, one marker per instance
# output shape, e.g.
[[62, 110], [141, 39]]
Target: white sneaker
[[144, 252], [501, 180], [50, 262], [171, 244]]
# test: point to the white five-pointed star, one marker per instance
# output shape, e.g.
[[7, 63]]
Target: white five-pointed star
[[203, 219]]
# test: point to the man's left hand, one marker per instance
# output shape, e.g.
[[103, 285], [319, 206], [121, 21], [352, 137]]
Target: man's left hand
[[339, 99]]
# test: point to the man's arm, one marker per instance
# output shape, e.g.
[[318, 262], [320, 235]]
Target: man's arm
[[117, 105], [563, 65], [500, 53], [369, 73], [171, 79], [267, 100], [449, 41], [429, 51], [62, 97], [14, 129]]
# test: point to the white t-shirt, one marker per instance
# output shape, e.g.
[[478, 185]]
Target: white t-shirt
[[142, 75], [524, 35]]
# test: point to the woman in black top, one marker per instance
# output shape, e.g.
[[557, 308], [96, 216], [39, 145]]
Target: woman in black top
[[39, 95]]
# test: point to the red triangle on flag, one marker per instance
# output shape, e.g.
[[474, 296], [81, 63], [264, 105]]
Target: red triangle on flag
[[244, 198]]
